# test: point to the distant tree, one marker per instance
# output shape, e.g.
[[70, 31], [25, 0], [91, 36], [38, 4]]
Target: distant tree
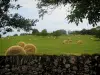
[[22, 34], [0, 35], [15, 35], [93, 31], [62, 31], [44, 32], [98, 34], [56, 33], [80, 9], [75, 32], [35, 32], [50, 34], [98, 28], [83, 31]]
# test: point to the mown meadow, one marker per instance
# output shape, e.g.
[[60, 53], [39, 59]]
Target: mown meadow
[[54, 46]]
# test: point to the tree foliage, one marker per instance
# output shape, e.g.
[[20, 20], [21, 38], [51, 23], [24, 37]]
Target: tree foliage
[[80, 9], [35, 32], [15, 35], [62, 31], [57, 33], [44, 32], [4, 33], [93, 31], [98, 34], [0, 35], [5, 5], [16, 20], [9, 29], [19, 22]]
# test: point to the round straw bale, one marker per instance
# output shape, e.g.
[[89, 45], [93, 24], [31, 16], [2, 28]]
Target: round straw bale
[[30, 49], [65, 41], [22, 44], [79, 42], [15, 50]]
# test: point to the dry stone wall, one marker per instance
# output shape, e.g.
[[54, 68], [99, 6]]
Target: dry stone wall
[[50, 65]]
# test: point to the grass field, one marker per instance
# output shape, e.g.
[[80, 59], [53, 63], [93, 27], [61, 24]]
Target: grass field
[[50, 45]]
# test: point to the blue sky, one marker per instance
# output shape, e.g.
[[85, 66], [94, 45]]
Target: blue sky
[[54, 21]]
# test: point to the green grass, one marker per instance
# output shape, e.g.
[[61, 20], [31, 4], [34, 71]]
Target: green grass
[[50, 45]]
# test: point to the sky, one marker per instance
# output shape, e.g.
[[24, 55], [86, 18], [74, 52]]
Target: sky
[[52, 21]]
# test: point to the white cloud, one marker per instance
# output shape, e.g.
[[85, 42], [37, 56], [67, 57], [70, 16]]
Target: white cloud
[[50, 22]]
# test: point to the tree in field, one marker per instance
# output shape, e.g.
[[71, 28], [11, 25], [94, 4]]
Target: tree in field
[[98, 28], [35, 31], [98, 34], [62, 31], [0, 35], [76, 32], [80, 9], [56, 33], [93, 31], [44, 32], [83, 31], [15, 35]]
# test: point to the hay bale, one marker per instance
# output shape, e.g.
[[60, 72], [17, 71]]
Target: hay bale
[[91, 38], [29, 39], [54, 38], [65, 41], [30, 49], [22, 44], [15, 50], [69, 41], [79, 42]]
